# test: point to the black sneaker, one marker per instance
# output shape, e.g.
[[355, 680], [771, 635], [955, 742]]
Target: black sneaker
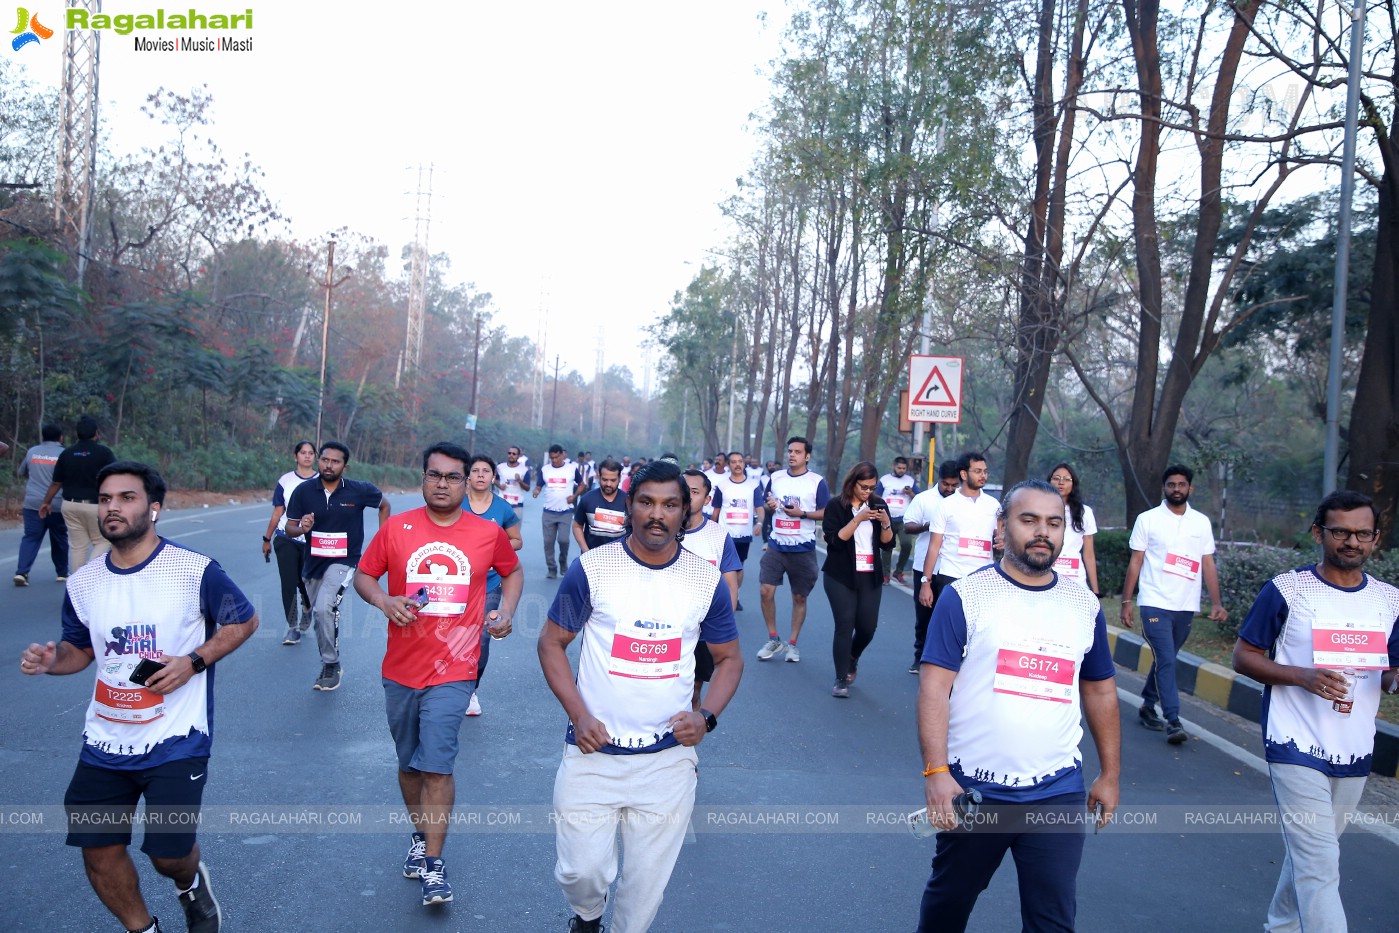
[[1149, 719], [579, 925], [913, 668], [201, 910], [1175, 732], [329, 679]]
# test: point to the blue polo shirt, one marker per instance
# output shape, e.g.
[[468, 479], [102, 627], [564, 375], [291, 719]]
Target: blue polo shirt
[[338, 536]]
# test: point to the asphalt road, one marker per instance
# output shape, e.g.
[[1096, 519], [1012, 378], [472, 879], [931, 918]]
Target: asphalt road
[[796, 821]]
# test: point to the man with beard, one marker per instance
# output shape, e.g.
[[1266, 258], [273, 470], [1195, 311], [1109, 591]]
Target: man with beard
[[629, 762], [1027, 652], [151, 604], [512, 479], [432, 661], [1172, 548], [961, 530], [1322, 640], [331, 516], [600, 515]]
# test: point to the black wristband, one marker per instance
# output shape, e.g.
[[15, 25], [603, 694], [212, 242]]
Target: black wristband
[[266, 540]]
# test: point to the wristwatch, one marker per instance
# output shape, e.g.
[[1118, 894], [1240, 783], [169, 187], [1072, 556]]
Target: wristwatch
[[266, 540], [711, 722], [197, 661]]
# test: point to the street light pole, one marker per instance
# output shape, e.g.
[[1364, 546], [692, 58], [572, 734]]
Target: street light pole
[[329, 285], [1331, 462]]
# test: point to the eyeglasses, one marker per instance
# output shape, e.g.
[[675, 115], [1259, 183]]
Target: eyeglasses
[[453, 479], [866, 487], [1340, 534]]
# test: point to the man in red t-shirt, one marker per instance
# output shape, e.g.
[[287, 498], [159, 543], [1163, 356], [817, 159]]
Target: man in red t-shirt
[[436, 558]]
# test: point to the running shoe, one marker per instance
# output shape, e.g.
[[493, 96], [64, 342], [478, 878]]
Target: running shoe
[[329, 679], [201, 910], [841, 690], [21, 579], [413, 863], [292, 637], [436, 890], [579, 925], [1175, 732], [792, 653], [773, 647], [899, 578], [1148, 718], [474, 707]]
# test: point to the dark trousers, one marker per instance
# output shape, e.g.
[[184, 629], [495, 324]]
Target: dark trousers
[[1047, 853], [1165, 631], [856, 614], [34, 530], [290, 558], [921, 616], [905, 542]]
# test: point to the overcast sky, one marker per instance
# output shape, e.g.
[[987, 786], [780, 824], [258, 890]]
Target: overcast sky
[[580, 150]]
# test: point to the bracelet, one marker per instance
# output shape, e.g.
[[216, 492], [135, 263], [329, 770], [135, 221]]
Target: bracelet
[[266, 540], [930, 770]]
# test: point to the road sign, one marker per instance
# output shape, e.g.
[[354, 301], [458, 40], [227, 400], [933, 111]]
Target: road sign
[[935, 389]]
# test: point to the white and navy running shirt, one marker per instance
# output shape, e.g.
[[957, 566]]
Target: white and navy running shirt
[[639, 625], [711, 542], [1302, 620], [968, 527], [736, 505], [1175, 546], [1070, 561], [166, 606], [807, 492], [898, 492], [557, 485], [1019, 653], [516, 481], [281, 495]]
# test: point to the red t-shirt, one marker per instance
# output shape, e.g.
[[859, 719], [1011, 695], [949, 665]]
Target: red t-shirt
[[444, 644]]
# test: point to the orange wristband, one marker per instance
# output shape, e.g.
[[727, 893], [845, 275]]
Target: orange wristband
[[930, 770]]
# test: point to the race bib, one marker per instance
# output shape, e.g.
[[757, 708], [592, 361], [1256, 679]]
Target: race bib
[[1355, 643], [512, 496], [330, 544], [786, 525], [444, 599], [896, 501], [737, 517], [1182, 566], [608, 523], [645, 650], [129, 704], [864, 563], [559, 481], [1035, 670], [1071, 567], [974, 547]]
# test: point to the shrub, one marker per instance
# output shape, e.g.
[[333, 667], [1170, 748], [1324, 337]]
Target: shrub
[[1111, 551], [1243, 569]]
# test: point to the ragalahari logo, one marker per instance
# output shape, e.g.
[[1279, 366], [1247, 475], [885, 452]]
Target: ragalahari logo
[[28, 29]]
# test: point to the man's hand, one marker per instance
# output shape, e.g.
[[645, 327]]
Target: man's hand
[[498, 625], [266, 548], [45, 510], [939, 790], [689, 727], [308, 521], [400, 610], [1126, 614], [1327, 684], [37, 659], [590, 734], [175, 674], [535, 494], [925, 593], [1104, 792], [1218, 613]]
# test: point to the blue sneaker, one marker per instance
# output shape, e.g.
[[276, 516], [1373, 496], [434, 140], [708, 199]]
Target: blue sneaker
[[413, 864], [436, 890], [292, 637]]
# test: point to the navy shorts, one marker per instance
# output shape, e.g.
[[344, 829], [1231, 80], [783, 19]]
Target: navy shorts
[[101, 806], [741, 546], [426, 723]]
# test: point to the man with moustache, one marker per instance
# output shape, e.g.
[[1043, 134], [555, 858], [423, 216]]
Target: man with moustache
[[629, 762], [600, 515], [1172, 548], [1323, 641], [1016, 657], [431, 663], [797, 498], [152, 600], [330, 514], [961, 530], [512, 479]]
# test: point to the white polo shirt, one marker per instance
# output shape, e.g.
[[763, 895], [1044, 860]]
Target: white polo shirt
[[967, 526], [1175, 547]]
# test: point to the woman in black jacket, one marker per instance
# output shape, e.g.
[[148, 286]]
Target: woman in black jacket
[[858, 532]]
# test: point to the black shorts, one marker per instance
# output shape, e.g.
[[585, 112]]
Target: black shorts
[[704, 663], [741, 546], [101, 806]]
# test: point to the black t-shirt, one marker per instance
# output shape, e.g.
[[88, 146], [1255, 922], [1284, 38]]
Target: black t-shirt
[[77, 469], [602, 521]]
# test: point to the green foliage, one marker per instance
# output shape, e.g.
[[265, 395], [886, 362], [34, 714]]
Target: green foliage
[[1244, 568], [1112, 554]]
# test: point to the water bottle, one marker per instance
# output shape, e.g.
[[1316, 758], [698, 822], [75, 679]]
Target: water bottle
[[965, 805]]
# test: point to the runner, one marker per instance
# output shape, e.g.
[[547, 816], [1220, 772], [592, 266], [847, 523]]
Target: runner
[[482, 502], [1077, 561], [291, 552], [512, 479], [962, 530], [600, 516], [555, 480], [797, 498], [738, 507], [897, 488], [853, 573], [710, 541]]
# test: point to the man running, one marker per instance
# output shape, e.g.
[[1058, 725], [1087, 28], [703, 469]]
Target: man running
[[916, 518], [961, 530], [512, 479], [738, 509], [797, 498], [555, 480], [600, 516]]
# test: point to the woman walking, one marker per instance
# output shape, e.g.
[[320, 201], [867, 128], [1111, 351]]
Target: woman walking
[[858, 531], [291, 552], [1076, 561]]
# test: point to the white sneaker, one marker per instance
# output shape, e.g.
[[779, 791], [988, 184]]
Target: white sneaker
[[773, 646], [474, 707], [792, 653]]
